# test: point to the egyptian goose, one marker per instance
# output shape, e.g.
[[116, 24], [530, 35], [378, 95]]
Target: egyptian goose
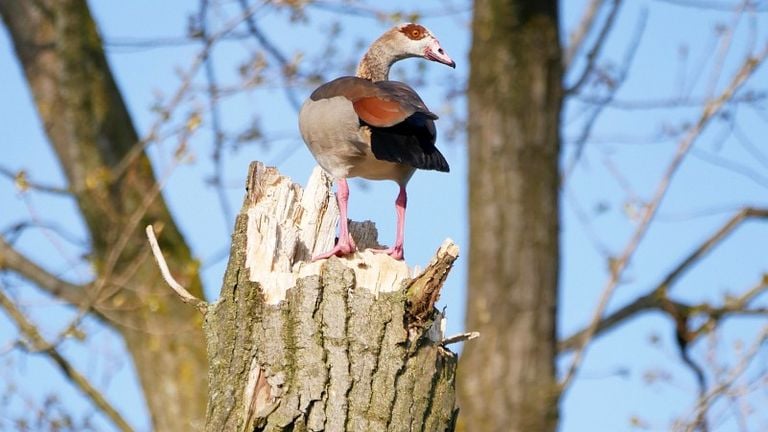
[[367, 126]]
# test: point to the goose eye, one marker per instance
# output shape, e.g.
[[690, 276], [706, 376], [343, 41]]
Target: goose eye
[[415, 33]]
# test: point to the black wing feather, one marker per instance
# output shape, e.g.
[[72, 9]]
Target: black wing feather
[[411, 142]]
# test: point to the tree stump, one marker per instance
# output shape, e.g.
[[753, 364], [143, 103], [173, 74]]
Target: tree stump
[[343, 344]]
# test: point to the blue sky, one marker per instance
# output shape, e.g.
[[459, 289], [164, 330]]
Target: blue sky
[[613, 386]]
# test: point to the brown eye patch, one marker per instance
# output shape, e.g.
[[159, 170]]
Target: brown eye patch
[[414, 31]]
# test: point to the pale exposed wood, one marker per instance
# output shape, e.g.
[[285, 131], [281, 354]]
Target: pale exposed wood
[[288, 225], [461, 337]]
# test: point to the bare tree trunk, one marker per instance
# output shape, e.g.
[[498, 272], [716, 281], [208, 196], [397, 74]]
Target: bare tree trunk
[[348, 344], [90, 129], [508, 379]]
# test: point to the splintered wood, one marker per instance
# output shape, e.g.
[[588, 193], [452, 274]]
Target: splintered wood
[[288, 225]]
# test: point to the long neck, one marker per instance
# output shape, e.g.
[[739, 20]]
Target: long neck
[[376, 62]]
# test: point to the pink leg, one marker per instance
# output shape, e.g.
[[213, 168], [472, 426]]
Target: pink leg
[[396, 251], [345, 245]]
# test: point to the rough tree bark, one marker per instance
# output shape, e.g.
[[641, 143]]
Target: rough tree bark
[[508, 381], [350, 344], [90, 129]]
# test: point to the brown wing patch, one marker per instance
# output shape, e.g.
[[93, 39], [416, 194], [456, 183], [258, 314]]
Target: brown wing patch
[[380, 112], [414, 31], [352, 88]]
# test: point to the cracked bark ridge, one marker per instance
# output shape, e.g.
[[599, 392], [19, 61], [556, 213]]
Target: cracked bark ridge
[[324, 346]]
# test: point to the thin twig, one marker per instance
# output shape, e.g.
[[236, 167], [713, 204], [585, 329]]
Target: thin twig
[[23, 183], [461, 337], [96, 290], [217, 130], [714, 5], [736, 306], [725, 45], [705, 247], [272, 49], [18, 228], [185, 295], [12, 259], [721, 388], [179, 95], [39, 344], [678, 102], [586, 130], [681, 315], [732, 166], [579, 34], [745, 141], [359, 9], [586, 224], [594, 52]]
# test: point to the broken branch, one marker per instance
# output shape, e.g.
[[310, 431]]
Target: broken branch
[[182, 292]]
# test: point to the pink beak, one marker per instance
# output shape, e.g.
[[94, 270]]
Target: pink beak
[[436, 53]]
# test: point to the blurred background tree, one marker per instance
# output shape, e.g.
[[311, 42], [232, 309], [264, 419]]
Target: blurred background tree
[[646, 126]]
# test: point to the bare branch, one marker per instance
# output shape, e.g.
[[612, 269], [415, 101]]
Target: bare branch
[[586, 130], [722, 387], [285, 64], [177, 98], [13, 260], [737, 168], [98, 290], [39, 344], [726, 39], [681, 102], [654, 299], [621, 263], [743, 139], [681, 315], [594, 52], [579, 34], [732, 306], [185, 295], [640, 304], [359, 9], [17, 229], [700, 423], [461, 337], [710, 243], [753, 6], [23, 183]]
